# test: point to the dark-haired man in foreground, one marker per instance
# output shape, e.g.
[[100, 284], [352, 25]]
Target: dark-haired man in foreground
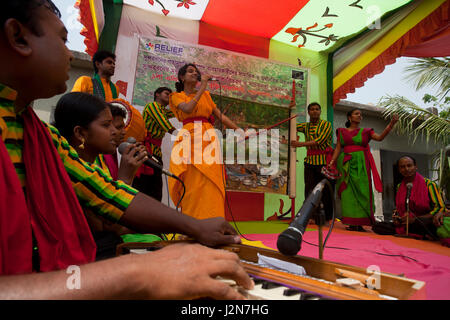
[[43, 182]]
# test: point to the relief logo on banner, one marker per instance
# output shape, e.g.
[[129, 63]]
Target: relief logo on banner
[[164, 48]]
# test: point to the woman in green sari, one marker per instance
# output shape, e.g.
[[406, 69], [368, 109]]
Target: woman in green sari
[[357, 167]]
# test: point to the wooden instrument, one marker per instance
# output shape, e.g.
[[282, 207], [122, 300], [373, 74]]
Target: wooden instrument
[[324, 279]]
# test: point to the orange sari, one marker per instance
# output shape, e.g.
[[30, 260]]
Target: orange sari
[[196, 158]]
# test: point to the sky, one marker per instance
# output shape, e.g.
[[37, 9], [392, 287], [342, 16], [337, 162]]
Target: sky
[[390, 82]]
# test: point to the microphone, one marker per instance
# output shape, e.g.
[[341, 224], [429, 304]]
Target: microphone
[[149, 162], [409, 186], [290, 240], [210, 79]]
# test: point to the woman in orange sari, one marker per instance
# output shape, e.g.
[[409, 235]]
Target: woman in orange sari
[[196, 155]]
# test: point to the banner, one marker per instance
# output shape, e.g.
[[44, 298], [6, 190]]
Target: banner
[[241, 76], [253, 92]]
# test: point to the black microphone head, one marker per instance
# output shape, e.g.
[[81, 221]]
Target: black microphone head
[[289, 242], [409, 186], [123, 146]]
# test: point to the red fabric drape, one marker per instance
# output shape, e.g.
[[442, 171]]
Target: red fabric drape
[[51, 208], [88, 31], [436, 45], [217, 37], [241, 16]]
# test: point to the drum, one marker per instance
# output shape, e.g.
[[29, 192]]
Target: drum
[[134, 122]]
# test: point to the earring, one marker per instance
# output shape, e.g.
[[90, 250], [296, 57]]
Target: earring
[[81, 146]]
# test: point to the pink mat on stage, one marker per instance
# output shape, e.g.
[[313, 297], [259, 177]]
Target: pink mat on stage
[[366, 249]]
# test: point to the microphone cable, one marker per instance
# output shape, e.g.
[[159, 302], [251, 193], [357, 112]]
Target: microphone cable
[[167, 190], [179, 201], [332, 226], [417, 218], [349, 249], [182, 196], [330, 188], [224, 168], [328, 185], [156, 166], [168, 196], [423, 224], [342, 248]]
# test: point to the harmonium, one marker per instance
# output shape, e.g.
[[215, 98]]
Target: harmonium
[[277, 277]]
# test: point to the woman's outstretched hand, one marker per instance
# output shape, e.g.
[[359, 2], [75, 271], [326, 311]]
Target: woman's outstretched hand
[[394, 119]]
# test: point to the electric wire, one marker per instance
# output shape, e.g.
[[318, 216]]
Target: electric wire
[[223, 169]]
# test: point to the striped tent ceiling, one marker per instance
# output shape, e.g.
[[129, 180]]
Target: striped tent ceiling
[[313, 24], [361, 36]]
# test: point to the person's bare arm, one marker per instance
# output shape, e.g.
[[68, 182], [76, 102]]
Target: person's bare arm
[[299, 144], [336, 153], [380, 137], [148, 215], [188, 107], [225, 120], [179, 271]]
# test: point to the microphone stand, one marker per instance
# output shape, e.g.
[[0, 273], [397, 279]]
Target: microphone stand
[[320, 221], [407, 218]]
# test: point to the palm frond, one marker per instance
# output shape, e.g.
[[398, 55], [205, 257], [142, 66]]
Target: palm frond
[[415, 121], [430, 72]]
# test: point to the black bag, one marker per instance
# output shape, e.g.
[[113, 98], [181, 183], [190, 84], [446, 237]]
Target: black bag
[[384, 228]]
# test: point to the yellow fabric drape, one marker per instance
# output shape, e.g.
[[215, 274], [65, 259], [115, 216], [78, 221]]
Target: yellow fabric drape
[[196, 159]]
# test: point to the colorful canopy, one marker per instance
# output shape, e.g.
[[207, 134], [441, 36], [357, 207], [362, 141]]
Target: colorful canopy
[[362, 36], [341, 43]]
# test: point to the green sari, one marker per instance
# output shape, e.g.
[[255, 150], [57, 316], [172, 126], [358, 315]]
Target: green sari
[[355, 185]]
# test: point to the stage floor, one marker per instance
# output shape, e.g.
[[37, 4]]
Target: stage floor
[[423, 260]]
